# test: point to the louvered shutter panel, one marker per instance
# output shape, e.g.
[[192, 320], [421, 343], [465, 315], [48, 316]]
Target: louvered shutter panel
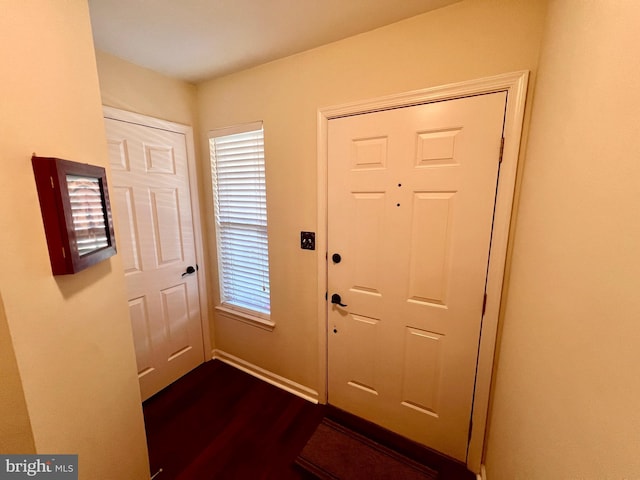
[[237, 162], [89, 221]]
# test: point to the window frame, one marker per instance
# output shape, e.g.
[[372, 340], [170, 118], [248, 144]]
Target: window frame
[[224, 307]]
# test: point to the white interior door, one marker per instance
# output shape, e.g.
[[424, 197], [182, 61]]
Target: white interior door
[[151, 199], [411, 201]]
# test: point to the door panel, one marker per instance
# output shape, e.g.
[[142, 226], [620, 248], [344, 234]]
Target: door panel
[[422, 370], [128, 246], [141, 334], [156, 240], [430, 242], [166, 225], [411, 197]]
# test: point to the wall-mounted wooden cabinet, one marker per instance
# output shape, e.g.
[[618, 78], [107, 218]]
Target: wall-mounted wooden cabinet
[[76, 212]]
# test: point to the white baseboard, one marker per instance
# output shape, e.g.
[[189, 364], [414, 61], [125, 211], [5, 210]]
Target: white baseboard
[[483, 473], [267, 376]]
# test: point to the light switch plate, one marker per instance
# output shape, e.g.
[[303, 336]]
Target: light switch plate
[[308, 240]]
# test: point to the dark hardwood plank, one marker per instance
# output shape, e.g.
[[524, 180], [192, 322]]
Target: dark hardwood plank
[[218, 422]]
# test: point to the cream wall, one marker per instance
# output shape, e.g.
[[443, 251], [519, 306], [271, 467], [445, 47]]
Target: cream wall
[[468, 40], [567, 389], [136, 89], [15, 428], [71, 337]]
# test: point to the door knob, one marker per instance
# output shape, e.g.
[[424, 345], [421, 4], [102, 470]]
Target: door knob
[[336, 300], [190, 270]]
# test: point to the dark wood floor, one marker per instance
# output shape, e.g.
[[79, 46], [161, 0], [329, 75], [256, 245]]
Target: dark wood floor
[[218, 422]]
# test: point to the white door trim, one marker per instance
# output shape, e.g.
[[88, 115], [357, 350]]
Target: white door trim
[[515, 84], [187, 131]]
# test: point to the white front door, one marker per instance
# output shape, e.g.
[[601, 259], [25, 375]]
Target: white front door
[[411, 202], [151, 199]]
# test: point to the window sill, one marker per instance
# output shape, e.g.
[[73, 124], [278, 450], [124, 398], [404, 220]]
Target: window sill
[[247, 318]]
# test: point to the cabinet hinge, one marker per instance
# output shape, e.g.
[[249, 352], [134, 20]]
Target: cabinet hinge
[[484, 304], [501, 149], [64, 254], [52, 185]]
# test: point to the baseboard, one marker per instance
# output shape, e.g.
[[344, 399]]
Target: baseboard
[[267, 376], [483, 473]]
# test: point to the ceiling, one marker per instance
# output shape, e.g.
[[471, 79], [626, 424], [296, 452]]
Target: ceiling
[[195, 40]]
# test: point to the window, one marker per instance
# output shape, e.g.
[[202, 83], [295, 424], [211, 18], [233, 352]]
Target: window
[[240, 205]]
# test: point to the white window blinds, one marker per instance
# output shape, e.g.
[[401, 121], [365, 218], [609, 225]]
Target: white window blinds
[[237, 163], [89, 223]]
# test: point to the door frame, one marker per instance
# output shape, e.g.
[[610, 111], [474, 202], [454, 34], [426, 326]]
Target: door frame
[[515, 84], [187, 131]]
